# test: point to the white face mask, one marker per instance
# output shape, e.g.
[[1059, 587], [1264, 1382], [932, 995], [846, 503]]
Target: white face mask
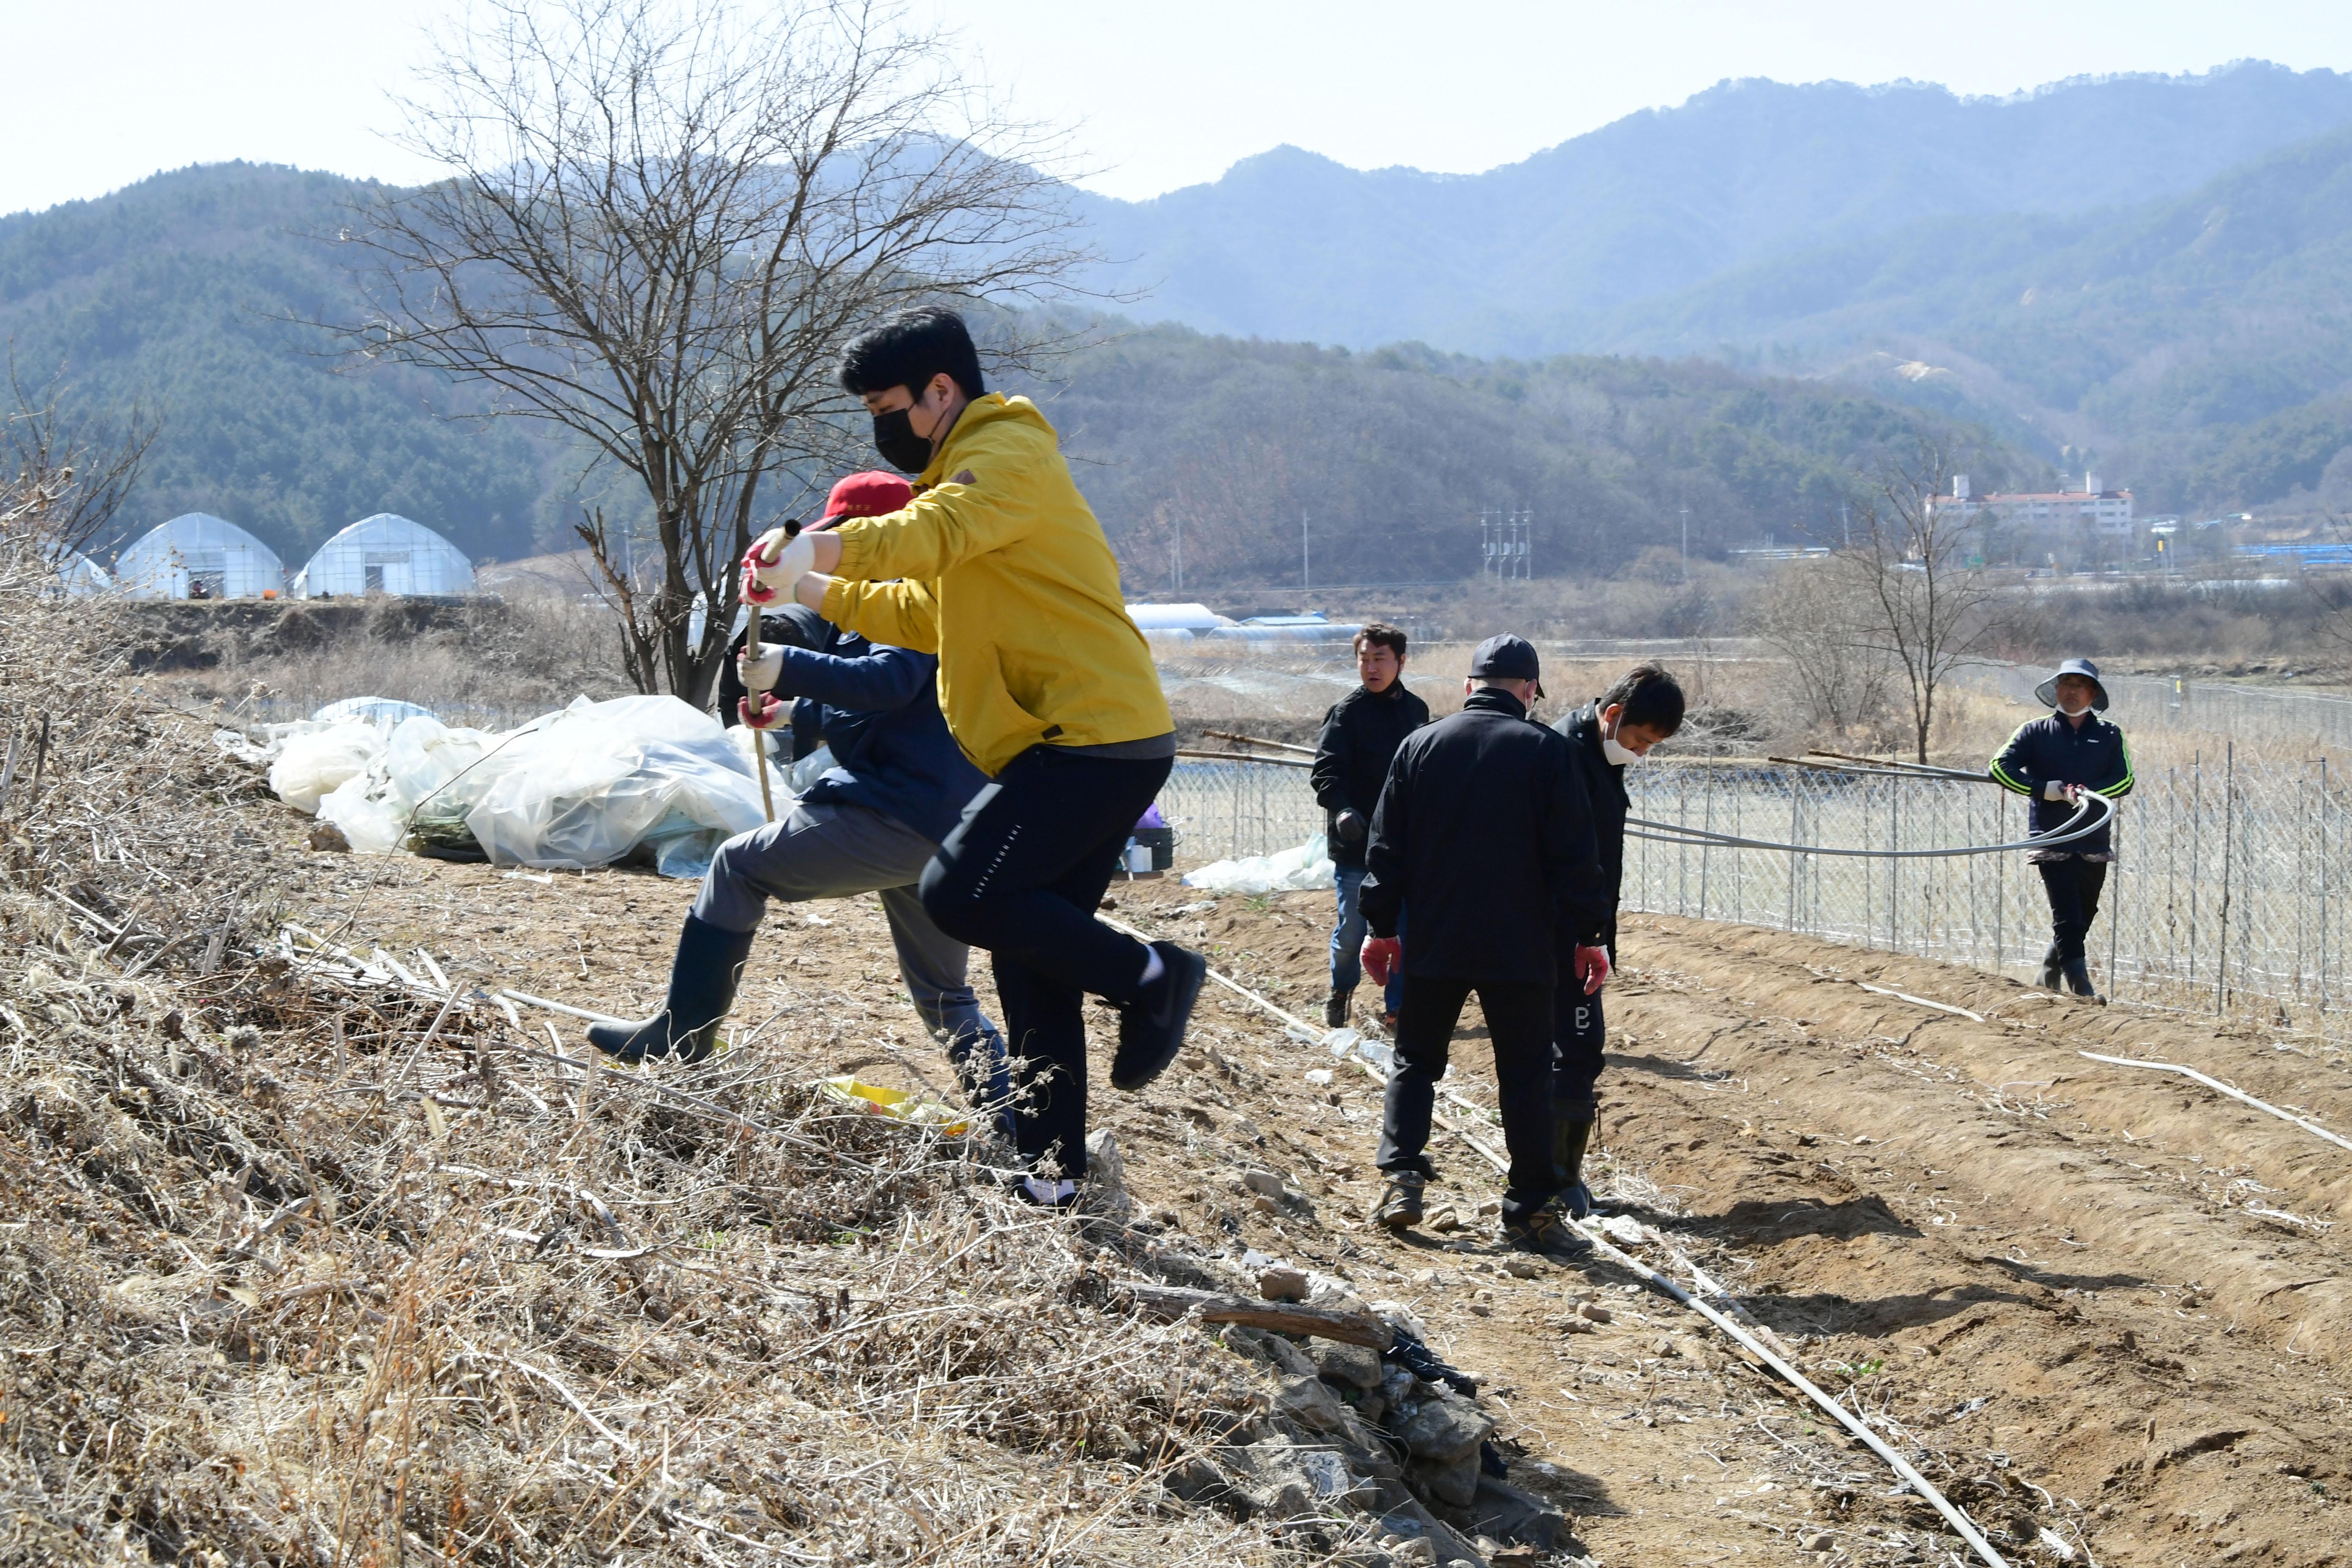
[[1617, 756], [2073, 713]]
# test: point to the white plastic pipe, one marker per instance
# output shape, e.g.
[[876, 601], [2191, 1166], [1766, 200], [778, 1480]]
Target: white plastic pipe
[[2216, 1085]]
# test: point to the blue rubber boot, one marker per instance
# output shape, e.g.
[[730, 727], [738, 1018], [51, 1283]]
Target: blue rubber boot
[[702, 980]]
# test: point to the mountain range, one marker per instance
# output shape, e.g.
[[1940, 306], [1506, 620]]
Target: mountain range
[[1724, 307], [2152, 269]]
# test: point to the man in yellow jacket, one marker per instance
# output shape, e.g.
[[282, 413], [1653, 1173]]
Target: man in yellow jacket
[[999, 566]]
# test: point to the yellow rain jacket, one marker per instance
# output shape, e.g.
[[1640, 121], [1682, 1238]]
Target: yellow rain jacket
[[1005, 573]]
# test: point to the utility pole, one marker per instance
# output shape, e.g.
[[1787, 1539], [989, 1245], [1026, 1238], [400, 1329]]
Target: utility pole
[[1686, 542], [1845, 523], [1180, 552]]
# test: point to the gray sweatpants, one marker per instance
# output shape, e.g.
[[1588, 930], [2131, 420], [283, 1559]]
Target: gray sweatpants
[[828, 851]]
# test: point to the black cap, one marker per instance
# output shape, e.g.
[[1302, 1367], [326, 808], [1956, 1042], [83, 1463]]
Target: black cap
[[1506, 657]]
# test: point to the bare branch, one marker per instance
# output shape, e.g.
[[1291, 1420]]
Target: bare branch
[[660, 225]]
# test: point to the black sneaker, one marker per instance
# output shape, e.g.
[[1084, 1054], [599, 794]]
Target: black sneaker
[[1547, 1234], [1151, 1027], [1401, 1203], [1335, 1009], [1042, 1193]]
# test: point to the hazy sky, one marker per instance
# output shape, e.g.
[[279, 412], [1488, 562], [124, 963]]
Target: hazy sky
[[103, 92]]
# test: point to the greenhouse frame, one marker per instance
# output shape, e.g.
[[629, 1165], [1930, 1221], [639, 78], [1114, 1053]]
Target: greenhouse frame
[[198, 555], [386, 553]]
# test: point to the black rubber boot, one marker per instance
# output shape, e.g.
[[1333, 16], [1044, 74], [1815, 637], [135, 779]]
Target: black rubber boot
[[1151, 1027], [1569, 1139], [702, 980], [2052, 967], [2078, 980], [1335, 1008]]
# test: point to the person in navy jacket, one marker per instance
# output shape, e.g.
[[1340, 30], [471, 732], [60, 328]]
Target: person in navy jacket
[[2054, 760], [870, 823]]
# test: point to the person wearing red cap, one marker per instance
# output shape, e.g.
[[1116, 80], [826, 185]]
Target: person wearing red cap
[[871, 823]]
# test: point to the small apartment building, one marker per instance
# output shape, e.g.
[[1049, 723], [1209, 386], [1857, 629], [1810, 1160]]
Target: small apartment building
[[2108, 513]]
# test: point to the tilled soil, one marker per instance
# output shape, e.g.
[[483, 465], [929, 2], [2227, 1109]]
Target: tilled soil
[[2105, 1309]]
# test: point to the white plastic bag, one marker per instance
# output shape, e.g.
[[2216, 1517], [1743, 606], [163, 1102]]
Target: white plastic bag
[[318, 758], [586, 787], [1301, 869]]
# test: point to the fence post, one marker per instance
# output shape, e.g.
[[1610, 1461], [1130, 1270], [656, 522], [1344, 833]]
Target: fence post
[[1787, 778], [2229, 837], [2322, 826]]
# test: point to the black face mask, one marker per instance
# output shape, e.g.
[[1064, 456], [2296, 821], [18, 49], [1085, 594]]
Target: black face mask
[[899, 445]]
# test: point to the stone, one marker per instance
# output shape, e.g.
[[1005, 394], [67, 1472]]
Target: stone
[[1515, 1516], [1282, 1283], [1597, 1312], [1105, 1181], [1265, 1183], [327, 835], [1310, 1402], [1272, 1348], [1357, 1364], [1444, 1427], [1519, 1266], [1414, 1551], [1453, 1481], [1818, 1541], [1285, 1480]]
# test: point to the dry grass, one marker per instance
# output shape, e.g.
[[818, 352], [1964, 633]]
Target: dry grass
[[317, 1262]]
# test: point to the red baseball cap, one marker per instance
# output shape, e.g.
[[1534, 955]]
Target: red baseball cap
[[869, 494]]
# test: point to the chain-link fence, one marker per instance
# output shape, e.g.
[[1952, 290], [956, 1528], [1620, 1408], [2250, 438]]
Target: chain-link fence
[[1224, 810], [2229, 893]]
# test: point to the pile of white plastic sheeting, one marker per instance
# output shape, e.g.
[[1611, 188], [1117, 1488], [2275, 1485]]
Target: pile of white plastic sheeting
[[586, 787], [1301, 869]]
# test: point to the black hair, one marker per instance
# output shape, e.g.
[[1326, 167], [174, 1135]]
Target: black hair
[[1652, 699], [909, 348], [1379, 634]]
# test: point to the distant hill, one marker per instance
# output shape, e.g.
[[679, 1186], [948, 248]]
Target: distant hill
[[180, 292], [175, 294], [2201, 343], [1539, 257]]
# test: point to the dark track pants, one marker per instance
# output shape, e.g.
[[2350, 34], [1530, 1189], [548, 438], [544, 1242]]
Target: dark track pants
[[1022, 876], [1579, 1036], [1520, 1021], [2074, 886]]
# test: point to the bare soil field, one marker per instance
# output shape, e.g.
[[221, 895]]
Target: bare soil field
[[2106, 1310]]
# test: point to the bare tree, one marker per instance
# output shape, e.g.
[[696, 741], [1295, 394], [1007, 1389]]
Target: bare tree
[[660, 223], [1914, 584], [1808, 615], [68, 473]]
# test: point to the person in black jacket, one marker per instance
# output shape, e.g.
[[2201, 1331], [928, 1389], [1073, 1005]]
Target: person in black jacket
[[1360, 733], [1615, 730], [2054, 758], [1483, 829]]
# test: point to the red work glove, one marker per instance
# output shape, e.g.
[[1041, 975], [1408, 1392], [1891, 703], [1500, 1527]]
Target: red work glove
[[770, 714], [1592, 968], [752, 593], [1384, 956]]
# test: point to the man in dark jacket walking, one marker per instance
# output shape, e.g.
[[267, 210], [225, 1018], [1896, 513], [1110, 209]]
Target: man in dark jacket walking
[[1360, 733], [2054, 758], [1615, 730], [1483, 829]]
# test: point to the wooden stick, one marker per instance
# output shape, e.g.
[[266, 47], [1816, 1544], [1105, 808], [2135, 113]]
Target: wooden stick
[[1253, 740], [1167, 1303]]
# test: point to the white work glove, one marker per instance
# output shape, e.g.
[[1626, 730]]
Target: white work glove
[[761, 674], [775, 563], [2053, 790]]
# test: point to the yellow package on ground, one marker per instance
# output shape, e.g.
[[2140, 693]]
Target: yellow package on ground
[[920, 1110]]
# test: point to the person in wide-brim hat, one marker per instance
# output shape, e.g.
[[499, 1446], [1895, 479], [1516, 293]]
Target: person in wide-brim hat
[[2055, 760], [2047, 692]]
